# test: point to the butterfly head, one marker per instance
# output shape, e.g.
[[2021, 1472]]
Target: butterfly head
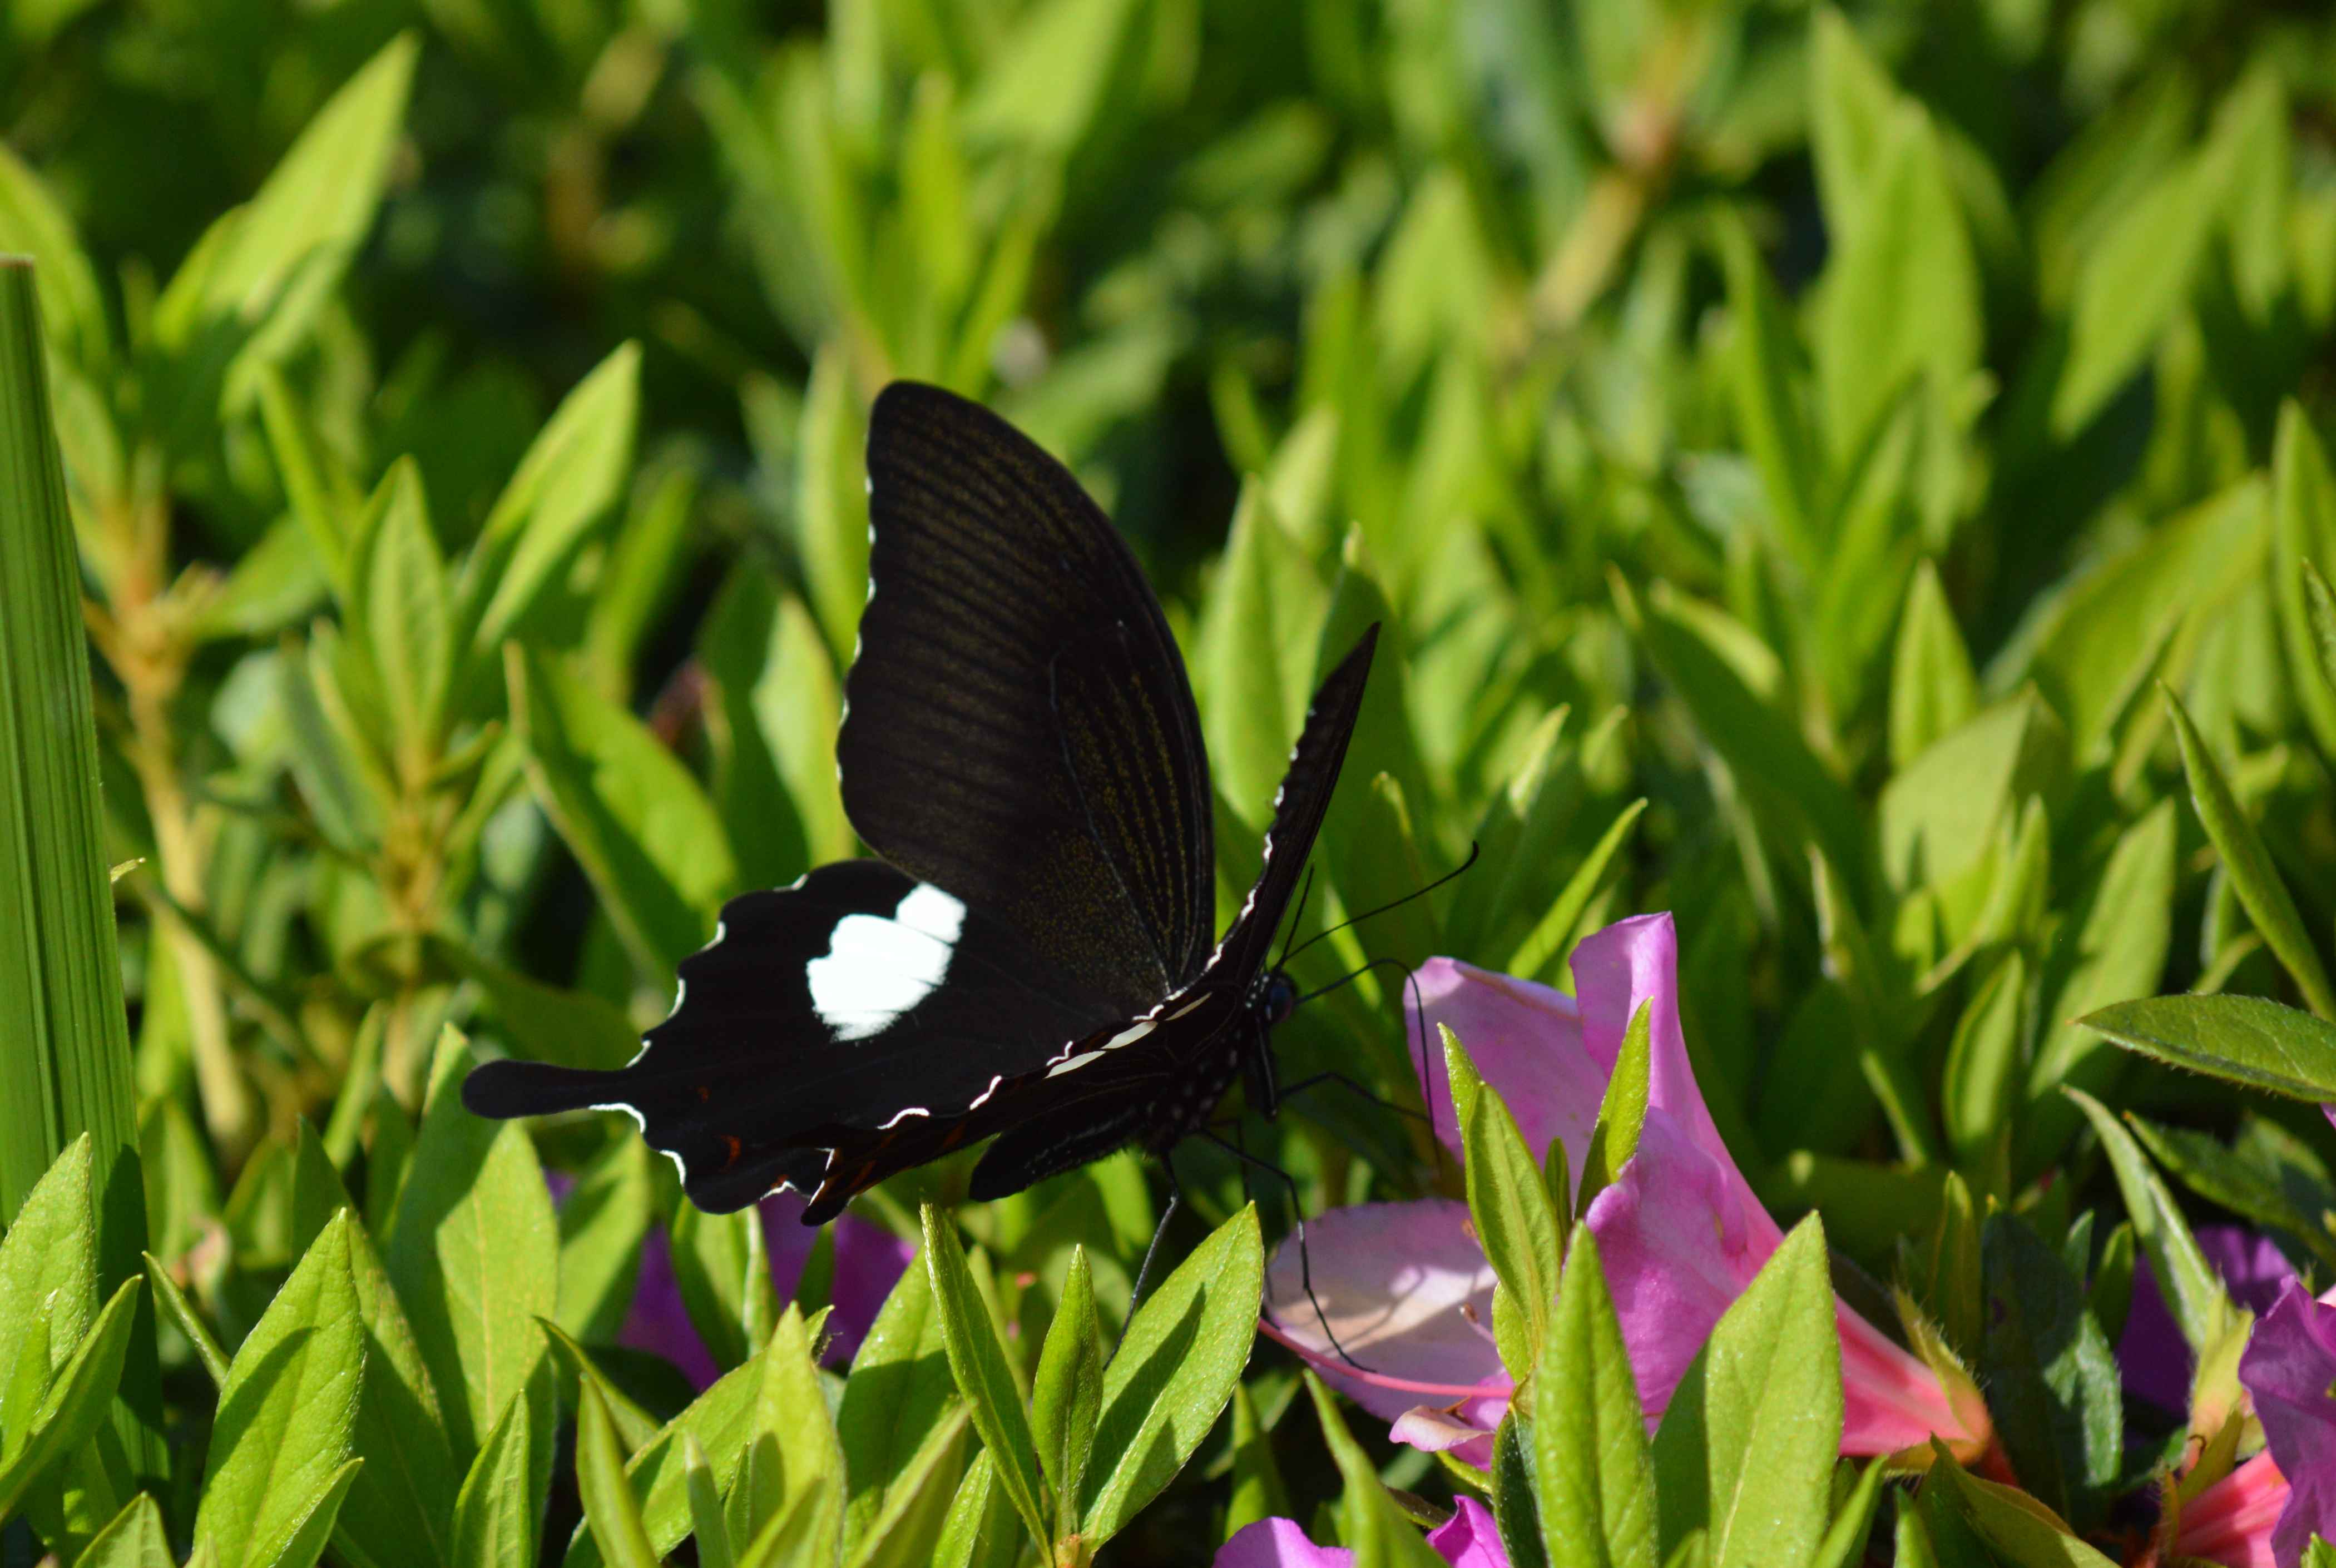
[[1277, 998]]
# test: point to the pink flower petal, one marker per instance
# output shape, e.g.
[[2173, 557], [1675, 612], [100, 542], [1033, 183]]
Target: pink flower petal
[[1525, 1040], [1464, 1432], [1278, 1542], [2231, 1522], [1469, 1539], [1681, 1238], [1407, 1292], [1615, 970], [1673, 1235]]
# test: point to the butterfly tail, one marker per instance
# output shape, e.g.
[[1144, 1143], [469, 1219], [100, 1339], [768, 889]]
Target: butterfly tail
[[504, 1089]]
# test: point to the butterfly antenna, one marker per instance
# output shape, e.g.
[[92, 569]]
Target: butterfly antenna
[[1297, 919], [1392, 904], [1298, 1229]]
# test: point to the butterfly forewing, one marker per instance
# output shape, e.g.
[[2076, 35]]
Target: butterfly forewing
[[1034, 962], [1018, 727]]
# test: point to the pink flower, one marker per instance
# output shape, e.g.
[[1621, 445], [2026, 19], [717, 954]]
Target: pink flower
[[2232, 1520], [2289, 1370], [1680, 1231], [1466, 1539]]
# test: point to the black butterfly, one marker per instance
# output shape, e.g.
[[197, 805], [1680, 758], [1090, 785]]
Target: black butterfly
[[1031, 958]]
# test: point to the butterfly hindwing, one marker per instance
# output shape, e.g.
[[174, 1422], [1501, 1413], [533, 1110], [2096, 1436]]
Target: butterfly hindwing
[[857, 997], [1018, 726]]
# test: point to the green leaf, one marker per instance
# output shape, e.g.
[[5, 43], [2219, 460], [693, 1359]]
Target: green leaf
[[397, 611], [1594, 1485], [797, 703], [33, 223], [1170, 1378], [314, 1519], [612, 1509], [75, 1400], [1766, 383], [1522, 1233], [602, 1225], [1981, 1082], [546, 1023], [1932, 690], [2107, 632], [2051, 1378], [343, 782], [134, 1539], [498, 1515], [2015, 1523], [1902, 287], [2303, 529], [2245, 1040], [2126, 928], [708, 1530], [1369, 1521], [474, 1255], [1622, 1114], [1258, 1490], [1852, 1522], [172, 1303], [571, 477], [2135, 275], [790, 1477], [979, 1530], [1067, 1394], [1514, 1508], [281, 1439], [1254, 653], [399, 1503], [830, 509], [724, 1275], [892, 1420], [322, 496], [1772, 764], [1551, 938], [48, 1280], [637, 822], [2252, 876], [2201, 1162], [2192, 1289], [635, 1427], [1745, 1447], [979, 1365], [1938, 814], [273, 264]]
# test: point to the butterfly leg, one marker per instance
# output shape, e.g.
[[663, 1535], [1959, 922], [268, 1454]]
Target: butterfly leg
[[1175, 1197], [1297, 1227], [1314, 1081]]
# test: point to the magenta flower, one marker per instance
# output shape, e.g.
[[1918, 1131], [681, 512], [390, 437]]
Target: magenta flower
[[869, 1261], [1467, 1540], [1680, 1231], [2153, 1357], [2288, 1369]]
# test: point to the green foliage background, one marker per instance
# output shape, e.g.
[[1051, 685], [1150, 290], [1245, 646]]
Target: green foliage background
[[1841, 476]]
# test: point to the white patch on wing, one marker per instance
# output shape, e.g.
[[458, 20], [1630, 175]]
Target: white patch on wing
[[1079, 1061], [878, 968], [1131, 1034]]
